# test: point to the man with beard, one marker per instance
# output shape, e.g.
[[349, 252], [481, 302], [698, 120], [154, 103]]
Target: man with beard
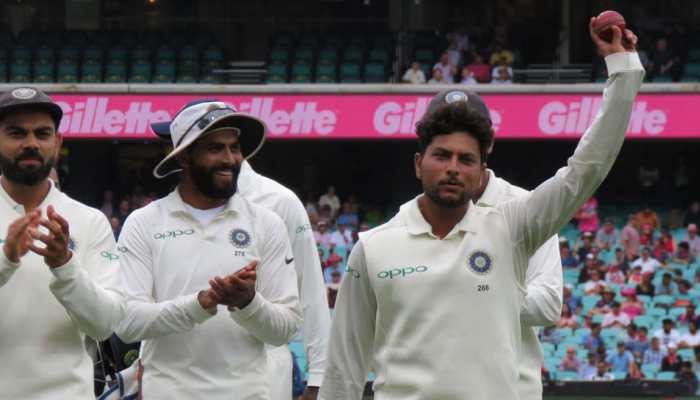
[[435, 296], [58, 267], [186, 256]]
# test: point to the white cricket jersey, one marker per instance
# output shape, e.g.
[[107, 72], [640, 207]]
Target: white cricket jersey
[[270, 194], [543, 301], [167, 257], [45, 314], [441, 317]]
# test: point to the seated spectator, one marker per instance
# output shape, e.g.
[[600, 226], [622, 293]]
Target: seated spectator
[[658, 251], [693, 241], [646, 235], [116, 226], [332, 266], [640, 344], [595, 285], [647, 216], [503, 75], [342, 238], [589, 369], [325, 214], [584, 245], [632, 306], [682, 255], [571, 300], [550, 335], [629, 238], [689, 315], [593, 340], [667, 240], [690, 339], [322, 235], [696, 361], [567, 258], [348, 217], [590, 265], [615, 318], [603, 373], [647, 263], [481, 70], [438, 78], [414, 74], [692, 216], [621, 360], [645, 287], [687, 377], [461, 37], [454, 56], [330, 199], [604, 305], [667, 286], [107, 206], [635, 275], [620, 261], [467, 77], [123, 211], [655, 354], [667, 335], [615, 276], [664, 61], [567, 319], [311, 204], [587, 216], [332, 287], [672, 361], [635, 372], [332, 259], [500, 55], [446, 69], [570, 362], [608, 236]]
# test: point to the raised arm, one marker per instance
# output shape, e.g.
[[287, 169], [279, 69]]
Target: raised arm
[[545, 286]]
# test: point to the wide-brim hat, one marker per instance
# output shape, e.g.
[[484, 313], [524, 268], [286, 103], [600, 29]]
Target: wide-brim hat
[[201, 117]]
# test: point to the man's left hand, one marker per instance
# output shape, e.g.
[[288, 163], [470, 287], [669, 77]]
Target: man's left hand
[[238, 289], [56, 253]]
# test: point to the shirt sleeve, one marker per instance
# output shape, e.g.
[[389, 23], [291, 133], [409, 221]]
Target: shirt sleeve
[[145, 318], [274, 315], [545, 286], [88, 287], [352, 333], [7, 268], [312, 292], [539, 214]]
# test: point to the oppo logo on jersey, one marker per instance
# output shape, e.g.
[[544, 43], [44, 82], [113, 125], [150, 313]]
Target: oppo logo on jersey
[[173, 234], [401, 272]]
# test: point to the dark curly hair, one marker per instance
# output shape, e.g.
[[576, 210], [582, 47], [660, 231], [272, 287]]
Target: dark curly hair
[[455, 117]]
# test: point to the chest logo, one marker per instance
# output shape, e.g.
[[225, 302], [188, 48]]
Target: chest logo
[[480, 262], [239, 238], [71, 244]]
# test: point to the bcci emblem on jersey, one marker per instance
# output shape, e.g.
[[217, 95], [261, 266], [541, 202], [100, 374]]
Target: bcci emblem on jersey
[[239, 238], [480, 262]]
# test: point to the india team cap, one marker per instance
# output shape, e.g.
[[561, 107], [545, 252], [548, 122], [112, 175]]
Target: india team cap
[[451, 96], [205, 116], [29, 97]]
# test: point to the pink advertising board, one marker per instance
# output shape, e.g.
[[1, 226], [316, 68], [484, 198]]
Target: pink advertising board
[[369, 116]]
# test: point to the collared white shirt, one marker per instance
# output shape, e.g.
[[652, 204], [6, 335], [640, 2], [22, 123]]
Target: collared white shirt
[[543, 301], [440, 318], [167, 257], [46, 314], [270, 194]]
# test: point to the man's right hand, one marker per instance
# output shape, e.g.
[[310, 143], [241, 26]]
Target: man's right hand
[[618, 45], [18, 240]]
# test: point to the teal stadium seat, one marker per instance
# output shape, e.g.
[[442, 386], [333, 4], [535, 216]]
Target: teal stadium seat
[[352, 54], [666, 376]]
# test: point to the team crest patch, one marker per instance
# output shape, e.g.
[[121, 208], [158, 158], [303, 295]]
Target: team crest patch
[[455, 96], [71, 244], [480, 262], [239, 238], [23, 93]]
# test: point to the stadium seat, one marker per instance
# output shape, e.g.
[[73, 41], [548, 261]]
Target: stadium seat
[[565, 332], [275, 79], [694, 54], [166, 69], [44, 53], [567, 376], [186, 79], [140, 71], [644, 320], [69, 54], [304, 54], [589, 302], [43, 71], [301, 78], [676, 312], [687, 354], [425, 56], [548, 348], [93, 53], [165, 52], [374, 72], [21, 53], [581, 332], [210, 78], [611, 333], [328, 55], [656, 313], [67, 72], [349, 71], [663, 301], [352, 54], [666, 376], [213, 53], [117, 53], [277, 70], [280, 55], [325, 73], [301, 68], [691, 69], [620, 375], [20, 72], [663, 79], [189, 52], [650, 370], [141, 52], [378, 55], [597, 318], [115, 73]]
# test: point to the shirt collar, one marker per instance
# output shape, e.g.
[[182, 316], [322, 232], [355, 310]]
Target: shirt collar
[[417, 225], [493, 191], [245, 179], [20, 208], [175, 204]]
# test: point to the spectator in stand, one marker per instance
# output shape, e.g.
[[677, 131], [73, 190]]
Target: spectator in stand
[[616, 318], [311, 204], [589, 267], [116, 226], [689, 315], [639, 344], [655, 354], [687, 377], [665, 62], [632, 306], [454, 56], [567, 319], [587, 216], [330, 199], [468, 77], [438, 78], [693, 241], [481, 70], [571, 300], [691, 339], [645, 287], [445, 67], [332, 259], [635, 275], [570, 362], [333, 265], [604, 305], [568, 260], [667, 335], [322, 235], [550, 335], [696, 361], [500, 55], [325, 214], [682, 255], [629, 238], [342, 238], [659, 252], [595, 285], [672, 361], [667, 239], [621, 360], [593, 340], [107, 206], [615, 276], [588, 370], [647, 263], [620, 262], [333, 287], [460, 37], [692, 216], [414, 74], [123, 211], [603, 373], [608, 236], [648, 217], [584, 245], [348, 217], [667, 286], [503, 76]]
